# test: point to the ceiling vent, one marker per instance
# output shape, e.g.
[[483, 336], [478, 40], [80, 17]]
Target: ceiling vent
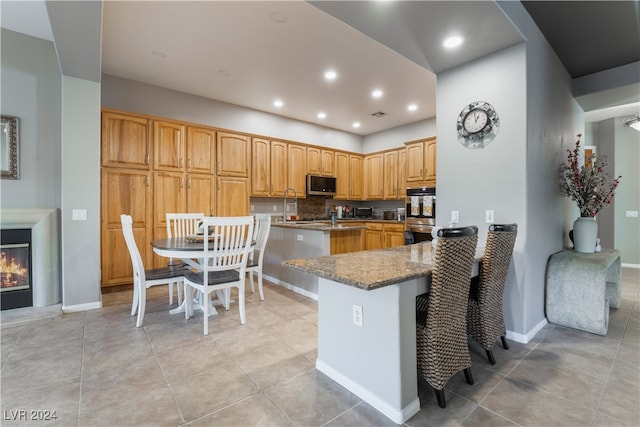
[[379, 114]]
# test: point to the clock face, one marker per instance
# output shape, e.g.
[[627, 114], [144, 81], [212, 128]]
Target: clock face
[[477, 124], [475, 120]]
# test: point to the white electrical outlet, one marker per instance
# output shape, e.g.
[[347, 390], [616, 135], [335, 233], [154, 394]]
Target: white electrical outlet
[[632, 214], [488, 216], [357, 315], [300, 237], [455, 217], [275, 208]]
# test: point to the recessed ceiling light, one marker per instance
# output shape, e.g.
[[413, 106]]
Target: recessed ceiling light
[[330, 75], [356, 124], [321, 115], [279, 17], [377, 93], [452, 42], [159, 54], [412, 107], [278, 103]]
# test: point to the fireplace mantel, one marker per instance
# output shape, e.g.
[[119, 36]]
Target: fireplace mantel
[[45, 249]]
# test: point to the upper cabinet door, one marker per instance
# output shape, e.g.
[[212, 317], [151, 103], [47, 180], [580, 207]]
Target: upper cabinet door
[[168, 146], [233, 154], [260, 167], [125, 141], [297, 175], [342, 176], [430, 160], [201, 150], [320, 162], [355, 177], [279, 167], [415, 161]]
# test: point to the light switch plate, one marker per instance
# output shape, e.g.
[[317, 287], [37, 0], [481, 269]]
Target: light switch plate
[[632, 214], [78, 214], [455, 217]]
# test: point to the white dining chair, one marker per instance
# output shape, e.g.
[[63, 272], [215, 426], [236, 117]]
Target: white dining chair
[[226, 246], [144, 279], [254, 264], [181, 225]]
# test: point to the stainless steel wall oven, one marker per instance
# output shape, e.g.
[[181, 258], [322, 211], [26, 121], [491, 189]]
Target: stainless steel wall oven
[[420, 212]]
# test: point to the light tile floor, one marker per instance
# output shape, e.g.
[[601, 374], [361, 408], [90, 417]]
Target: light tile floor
[[96, 368]]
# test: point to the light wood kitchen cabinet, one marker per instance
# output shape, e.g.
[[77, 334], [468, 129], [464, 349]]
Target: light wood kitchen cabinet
[[393, 234], [342, 176], [391, 175], [421, 162], [373, 236], [125, 141], [232, 197], [279, 167], [373, 176], [269, 167], [201, 150], [201, 191], [345, 241], [123, 191], [178, 192], [260, 167], [168, 146], [379, 235], [169, 195], [355, 177], [297, 174], [402, 173], [320, 161], [233, 154]]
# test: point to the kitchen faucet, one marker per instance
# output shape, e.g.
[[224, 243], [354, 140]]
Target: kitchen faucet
[[284, 202]]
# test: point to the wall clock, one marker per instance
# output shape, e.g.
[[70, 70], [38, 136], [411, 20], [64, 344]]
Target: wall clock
[[477, 124]]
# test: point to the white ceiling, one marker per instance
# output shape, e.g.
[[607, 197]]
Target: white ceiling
[[239, 52]]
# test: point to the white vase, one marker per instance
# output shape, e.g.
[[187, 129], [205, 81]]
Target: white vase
[[585, 234]]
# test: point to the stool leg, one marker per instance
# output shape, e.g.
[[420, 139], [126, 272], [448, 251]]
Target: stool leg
[[468, 376], [441, 400], [492, 360], [505, 344]]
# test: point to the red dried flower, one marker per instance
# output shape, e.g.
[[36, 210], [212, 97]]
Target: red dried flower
[[589, 186]]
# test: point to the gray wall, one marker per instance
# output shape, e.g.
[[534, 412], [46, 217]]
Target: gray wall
[[81, 190], [517, 173], [142, 98], [627, 161], [396, 137], [31, 90]]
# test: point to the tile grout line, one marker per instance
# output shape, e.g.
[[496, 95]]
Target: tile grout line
[[164, 376], [613, 362], [84, 336]]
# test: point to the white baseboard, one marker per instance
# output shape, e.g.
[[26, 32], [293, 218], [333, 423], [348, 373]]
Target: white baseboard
[[525, 338], [398, 416], [291, 287], [624, 264], [81, 307]]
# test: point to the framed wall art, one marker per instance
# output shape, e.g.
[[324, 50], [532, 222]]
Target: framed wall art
[[9, 147]]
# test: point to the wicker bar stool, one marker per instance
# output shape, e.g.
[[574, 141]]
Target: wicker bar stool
[[441, 313], [485, 321]]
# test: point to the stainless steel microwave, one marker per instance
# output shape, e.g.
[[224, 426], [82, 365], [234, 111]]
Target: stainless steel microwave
[[321, 185]]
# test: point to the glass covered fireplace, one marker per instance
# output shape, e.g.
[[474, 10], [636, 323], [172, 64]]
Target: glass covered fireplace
[[15, 269]]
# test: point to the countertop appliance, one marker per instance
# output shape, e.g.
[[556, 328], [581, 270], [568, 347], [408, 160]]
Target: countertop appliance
[[420, 212], [363, 213], [321, 185]]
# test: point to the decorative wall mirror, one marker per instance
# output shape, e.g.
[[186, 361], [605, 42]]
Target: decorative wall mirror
[[9, 147]]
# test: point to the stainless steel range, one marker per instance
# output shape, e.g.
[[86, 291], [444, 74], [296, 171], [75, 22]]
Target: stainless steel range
[[420, 212]]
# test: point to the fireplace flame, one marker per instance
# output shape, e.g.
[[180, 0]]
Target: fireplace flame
[[8, 269]]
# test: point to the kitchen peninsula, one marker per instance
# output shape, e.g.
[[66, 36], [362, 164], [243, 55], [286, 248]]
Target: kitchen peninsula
[[367, 322], [295, 239]]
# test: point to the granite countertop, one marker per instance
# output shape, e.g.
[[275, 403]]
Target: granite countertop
[[374, 269]]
